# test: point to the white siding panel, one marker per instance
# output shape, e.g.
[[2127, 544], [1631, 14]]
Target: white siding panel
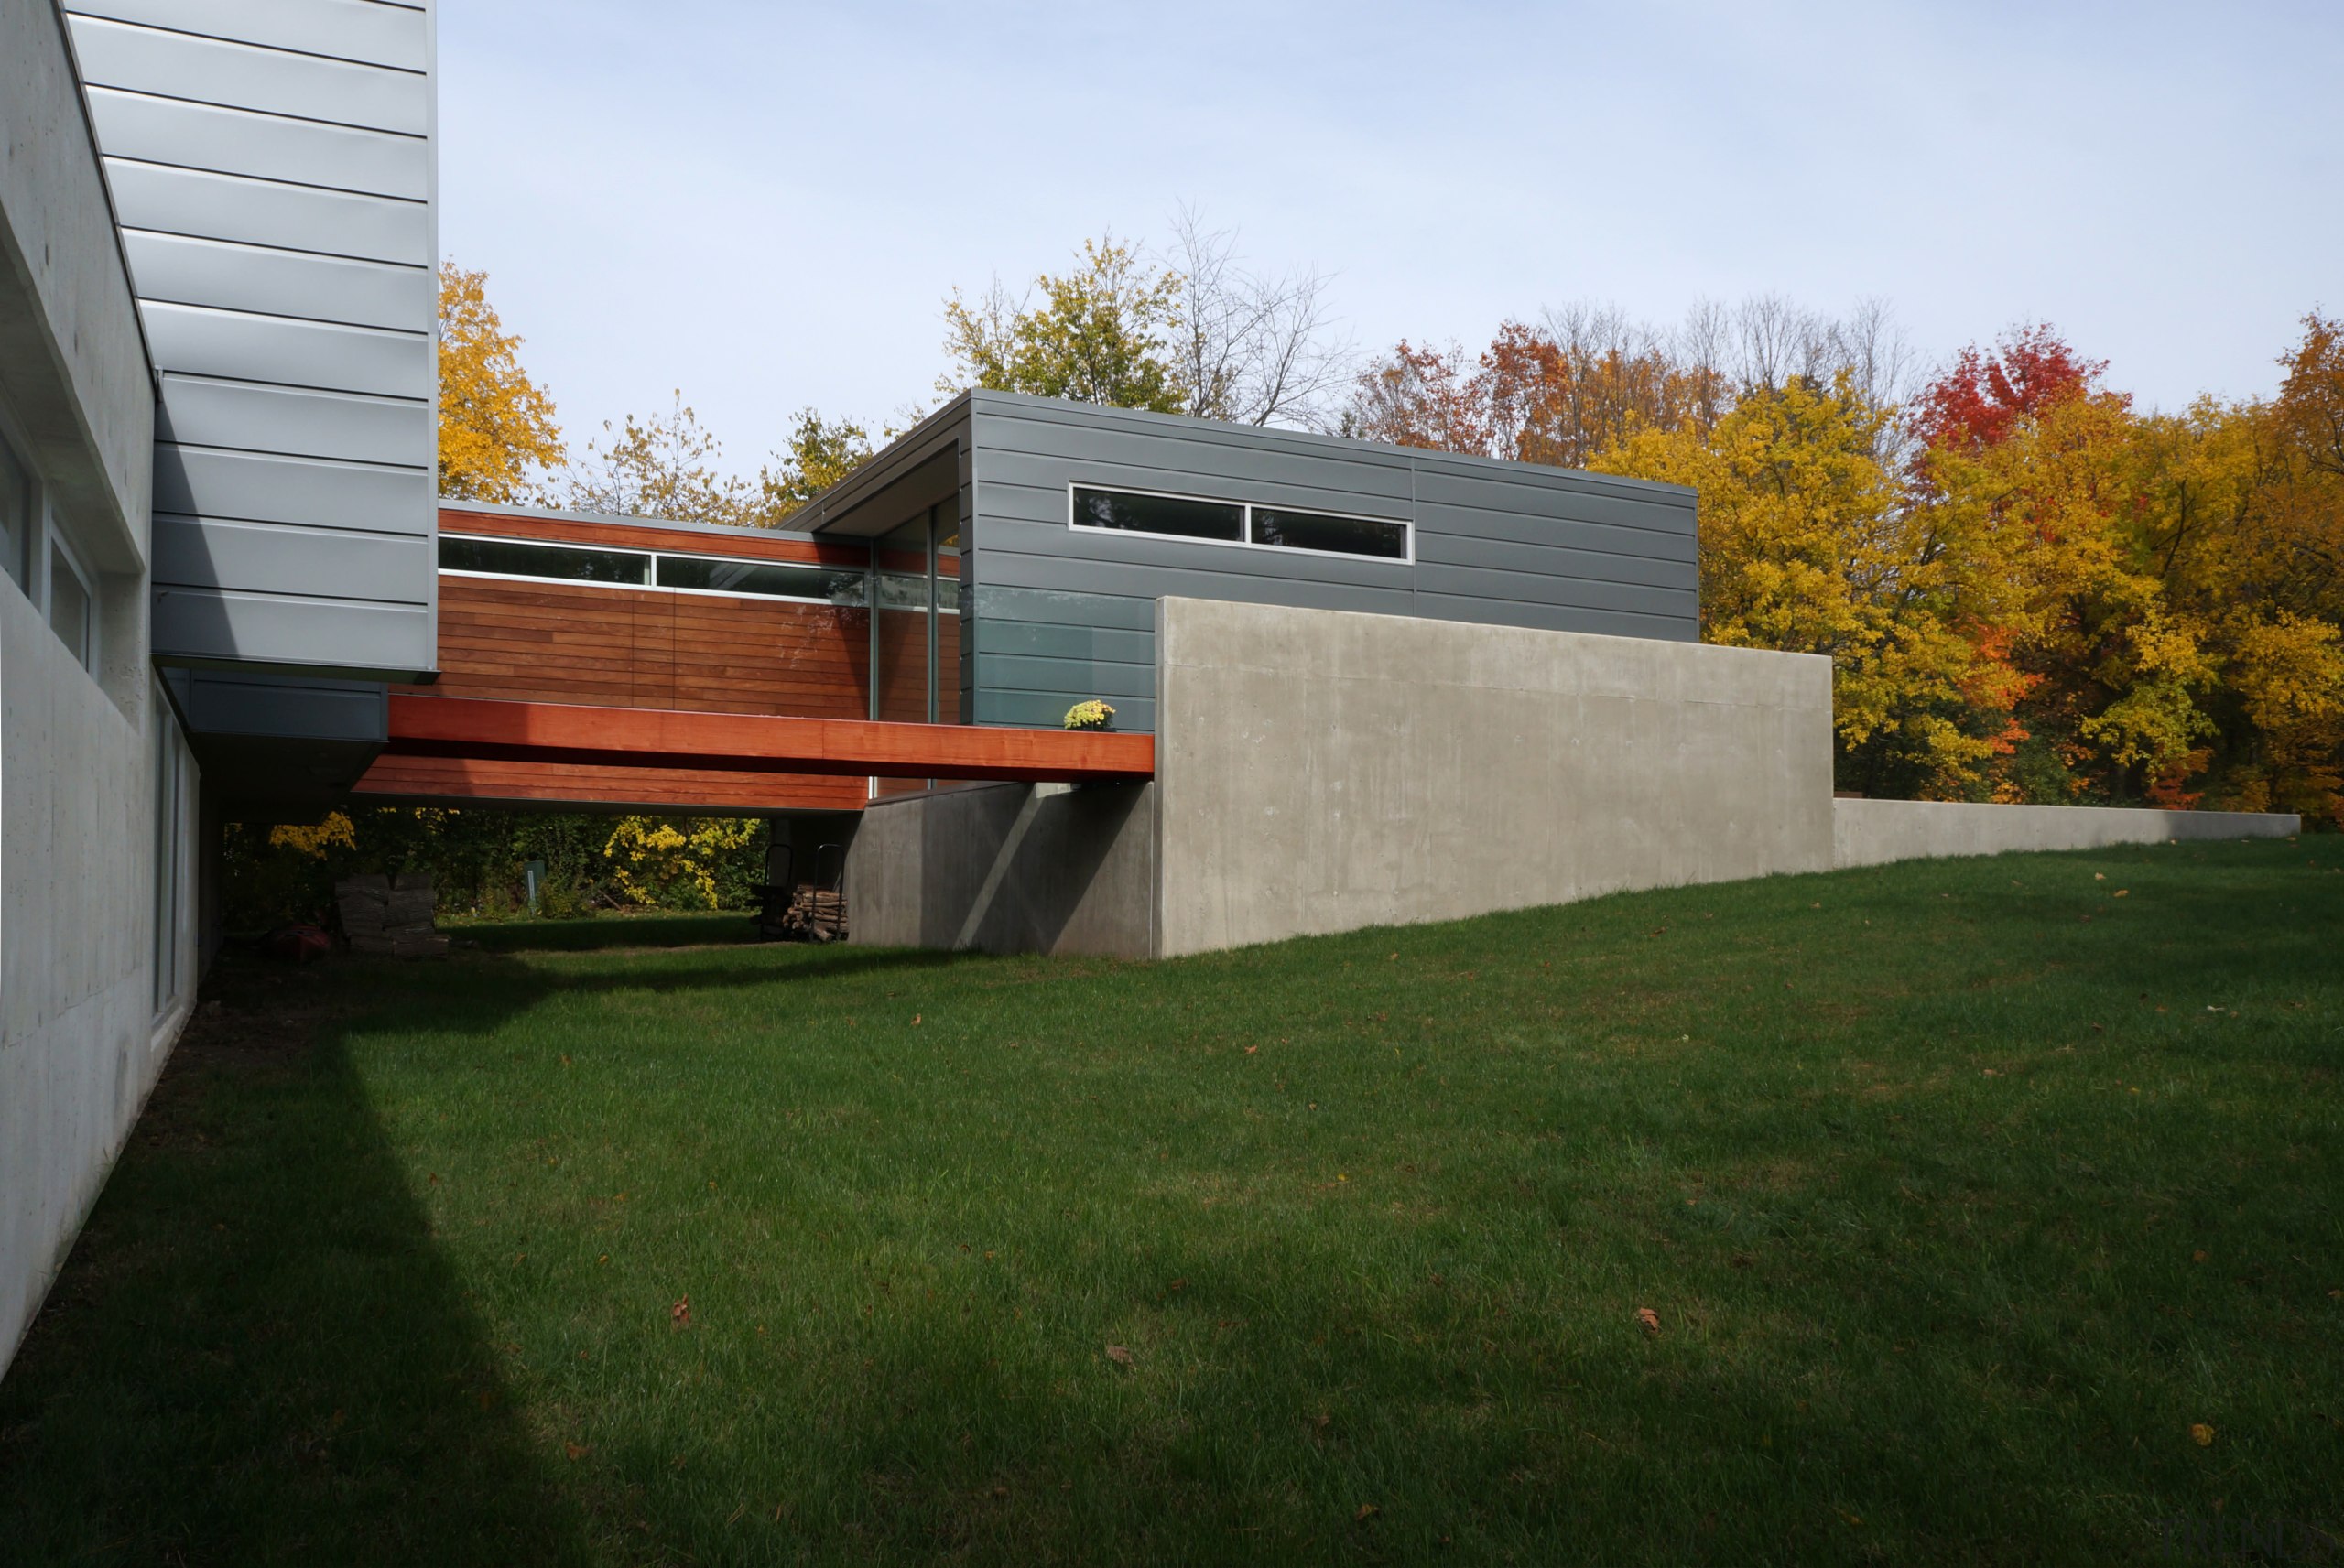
[[265, 147], [176, 269], [145, 59], [256, 212], [202, 342], [358, 31]]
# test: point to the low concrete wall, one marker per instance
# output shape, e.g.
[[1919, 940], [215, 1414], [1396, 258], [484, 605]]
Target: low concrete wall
[[1319, 771], [1874, 832], [1008, 869]]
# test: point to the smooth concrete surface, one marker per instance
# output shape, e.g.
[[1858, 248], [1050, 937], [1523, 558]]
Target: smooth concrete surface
[[73, 367], [1320, 770], [1874, 832], [1008, 867], [82, 1035]]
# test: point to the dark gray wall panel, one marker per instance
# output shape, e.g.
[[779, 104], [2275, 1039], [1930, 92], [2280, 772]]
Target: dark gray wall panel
[[1556, 559], [252, 487], [321, 635], [362, 30], [176, 269], [309, 423], [274, 81], [219, 702], [262, 146], [262, 557], [256, 212], [1035, 710], [1499, 542]]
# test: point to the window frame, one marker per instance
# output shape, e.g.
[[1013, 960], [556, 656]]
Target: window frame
[[26, 573], [652, 558], [1406, 526], [61, 549]]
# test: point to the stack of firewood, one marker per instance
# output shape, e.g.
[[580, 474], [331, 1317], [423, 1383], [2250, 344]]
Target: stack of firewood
[[389, 914]]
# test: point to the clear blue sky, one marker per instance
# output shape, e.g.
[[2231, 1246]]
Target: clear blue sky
[[764, 204]]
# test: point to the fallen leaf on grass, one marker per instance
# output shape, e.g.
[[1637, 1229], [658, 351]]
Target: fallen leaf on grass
[[1119, 1355], [2122, 892], [1649, 1318], [2201, 1435], [1366, 1511], [680, 1314], [577, 1450]]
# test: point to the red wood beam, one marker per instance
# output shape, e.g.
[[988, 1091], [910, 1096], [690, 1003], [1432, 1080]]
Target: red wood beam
[[426, 726]]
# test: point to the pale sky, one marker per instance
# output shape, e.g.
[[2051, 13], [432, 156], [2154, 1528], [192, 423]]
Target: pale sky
[[765, 204]]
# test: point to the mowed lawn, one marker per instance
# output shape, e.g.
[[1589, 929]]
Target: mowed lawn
[[1959, 1193]]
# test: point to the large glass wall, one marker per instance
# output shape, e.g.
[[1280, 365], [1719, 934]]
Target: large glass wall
[[914, 628]]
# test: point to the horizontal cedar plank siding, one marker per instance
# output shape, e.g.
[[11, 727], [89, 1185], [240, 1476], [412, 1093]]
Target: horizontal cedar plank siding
[[631, 648]]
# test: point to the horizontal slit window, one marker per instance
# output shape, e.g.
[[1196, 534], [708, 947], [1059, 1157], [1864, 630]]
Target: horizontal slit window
[[764, 578], [567, 562], [1377, 536], [1178, 516]]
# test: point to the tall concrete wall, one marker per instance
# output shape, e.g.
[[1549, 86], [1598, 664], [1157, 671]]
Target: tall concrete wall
[[1320, 770], [1874, 832], [82, 1030]]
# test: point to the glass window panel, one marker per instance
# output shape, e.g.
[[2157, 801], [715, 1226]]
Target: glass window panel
[[15, 518], [899, 634], [70, 610], [761, 578], [505, 557], [1338, 536], [1175, 516]]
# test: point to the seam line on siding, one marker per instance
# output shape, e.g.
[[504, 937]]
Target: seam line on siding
[[254, 44]]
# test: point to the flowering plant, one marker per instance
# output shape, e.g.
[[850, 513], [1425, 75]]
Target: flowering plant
[[1091, 715]]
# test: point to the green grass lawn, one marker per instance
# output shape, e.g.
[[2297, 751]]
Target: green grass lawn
[[1959, 1192]]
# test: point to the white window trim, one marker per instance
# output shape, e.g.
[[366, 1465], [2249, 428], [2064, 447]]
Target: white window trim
[[651, 555], [1245, 524]]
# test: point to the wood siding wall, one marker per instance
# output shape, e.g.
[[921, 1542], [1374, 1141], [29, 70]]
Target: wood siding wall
[[540, 642]]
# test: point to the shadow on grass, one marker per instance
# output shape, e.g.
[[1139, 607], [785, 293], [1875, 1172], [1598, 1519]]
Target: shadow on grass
[[256, 1352], [600, 933]]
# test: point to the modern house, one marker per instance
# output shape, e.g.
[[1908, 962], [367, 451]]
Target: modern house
[[1354, 684]]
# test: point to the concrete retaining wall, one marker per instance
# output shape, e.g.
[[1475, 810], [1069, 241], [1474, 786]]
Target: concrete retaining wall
[[1319, 771], [1008, 869], [1874, 832]]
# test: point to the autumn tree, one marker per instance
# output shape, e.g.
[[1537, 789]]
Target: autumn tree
[[819, 454], [1101, 333], [1419, 397], [497, 434], [1251, 347]]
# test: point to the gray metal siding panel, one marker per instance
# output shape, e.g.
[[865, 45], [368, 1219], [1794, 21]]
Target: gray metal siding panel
[[299, 421], [220, 703], [1031, 710], [362, 30], [253, 487], [136, 59], [1091, 677], [258, 558], [1495, 543], [1044, 641], [261, 147], [271, 163], [301, 632], [179, 270], [257, 212]]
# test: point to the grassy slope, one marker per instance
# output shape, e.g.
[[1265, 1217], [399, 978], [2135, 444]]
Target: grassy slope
[[1960, 1190]]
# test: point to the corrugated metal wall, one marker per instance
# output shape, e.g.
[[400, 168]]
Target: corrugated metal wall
[[1064, 613], [271, 163]]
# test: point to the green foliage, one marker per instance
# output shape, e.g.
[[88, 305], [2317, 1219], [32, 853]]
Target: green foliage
[[1101, 334], [477, 858], [821, 453]]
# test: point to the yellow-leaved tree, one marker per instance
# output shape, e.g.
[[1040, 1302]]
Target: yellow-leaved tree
[[498, 435], [1807, 545]]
